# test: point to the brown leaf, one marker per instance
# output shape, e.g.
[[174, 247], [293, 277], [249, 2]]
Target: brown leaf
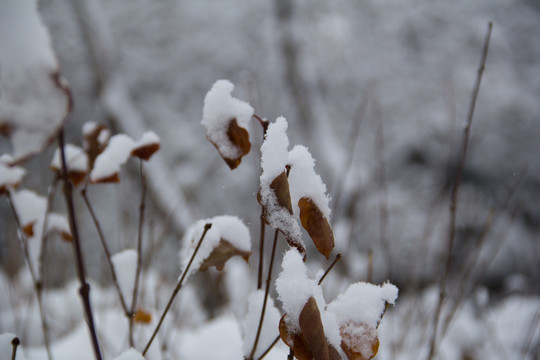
[[142, 317], [359, 341], [146, 151], [316, 225], [221, 253], [67, 237], [295, 341], [114, 178], [92, 145], [28, 229], [280, 185], [239, 137], [313, 330]]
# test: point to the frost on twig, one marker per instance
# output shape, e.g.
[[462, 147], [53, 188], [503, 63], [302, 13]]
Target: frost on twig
[[226, 120], [274, 195], [34, 99]]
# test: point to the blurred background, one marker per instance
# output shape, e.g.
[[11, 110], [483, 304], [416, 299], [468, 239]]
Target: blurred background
[[378, 90]]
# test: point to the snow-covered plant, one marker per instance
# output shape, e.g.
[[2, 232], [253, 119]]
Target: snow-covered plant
[[290, 190]]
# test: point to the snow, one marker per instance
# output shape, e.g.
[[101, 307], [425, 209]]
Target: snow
[[10, 176], [58, 222], [274, 152], [76, 159], [108, 163], [31, 208], [294, 288], [363, 303], [218, 110], [304, 182], [125, 266], [27, 88], [130, 354], [217, 339], [229, 228], [274, 159], [250, 323], [148, 138]]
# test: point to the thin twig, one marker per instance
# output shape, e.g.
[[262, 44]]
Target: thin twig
[[352, 142], [261, 251], [37, 281], [14, 344], [382, 187], [108, 255], [177, 288], [336, 259], [454, 196], [266, 291], [84, 290], [139, 252]]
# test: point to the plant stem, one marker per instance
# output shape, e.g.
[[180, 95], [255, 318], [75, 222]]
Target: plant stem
[[454, 195], [14, 344], [84, 290], [336, 259], [177, 288], [266, 291], [38, 285], [261, 251], [139, 252], [106, 249]]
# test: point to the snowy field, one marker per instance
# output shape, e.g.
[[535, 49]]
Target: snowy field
[[194, 129]]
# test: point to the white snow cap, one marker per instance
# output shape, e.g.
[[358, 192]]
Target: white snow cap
[[76, 159], [112, 158], [218, 110], [363, 303], [251, 323], [304, 182], [31, 103], [9, 175], [274, 151], [230, 228], [294, 288], [125, 266], [130, 354], [58, 222], [274, 159], [148, 138]]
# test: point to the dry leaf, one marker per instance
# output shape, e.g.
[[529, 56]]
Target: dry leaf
[[294, 341], [142, 317], [239, 137], [95, 142], [146, 151], [28, 229], [280, 186], [313, 330], [316, 225], [114, 178], [359, 341], [221, 253]]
